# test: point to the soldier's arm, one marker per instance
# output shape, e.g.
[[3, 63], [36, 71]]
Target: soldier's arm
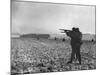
[[69, 33]]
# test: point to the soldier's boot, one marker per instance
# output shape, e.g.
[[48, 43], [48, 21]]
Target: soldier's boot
[[80, 63], [72, 57], [69, 62], [79, 59]]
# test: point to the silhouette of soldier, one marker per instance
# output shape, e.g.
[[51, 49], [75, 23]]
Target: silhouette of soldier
[[92, 40], [63, 40], [55, 38], [76, 42]]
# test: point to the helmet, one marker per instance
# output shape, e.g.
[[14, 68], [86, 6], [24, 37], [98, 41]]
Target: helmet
[[73, 29], [77, 29]]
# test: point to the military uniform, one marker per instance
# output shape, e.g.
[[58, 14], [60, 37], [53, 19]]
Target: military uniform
[[76, 42]]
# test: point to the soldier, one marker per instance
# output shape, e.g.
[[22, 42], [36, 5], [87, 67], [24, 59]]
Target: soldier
[[92, 40], [76, 42], [55, 38], [63, 40]]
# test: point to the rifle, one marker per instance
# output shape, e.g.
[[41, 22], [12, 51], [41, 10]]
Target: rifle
[[65, 30]]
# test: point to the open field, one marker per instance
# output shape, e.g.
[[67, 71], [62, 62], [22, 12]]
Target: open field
[[30, 55]]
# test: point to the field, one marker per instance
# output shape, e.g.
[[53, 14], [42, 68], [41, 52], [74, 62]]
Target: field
[[30, 55]]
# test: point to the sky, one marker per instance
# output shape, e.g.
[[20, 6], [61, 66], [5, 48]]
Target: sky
[[48, 18]]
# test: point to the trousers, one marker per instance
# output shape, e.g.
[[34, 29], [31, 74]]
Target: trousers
[[75, 51]]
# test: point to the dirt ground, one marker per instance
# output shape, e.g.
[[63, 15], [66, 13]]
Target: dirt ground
[[30, 55]]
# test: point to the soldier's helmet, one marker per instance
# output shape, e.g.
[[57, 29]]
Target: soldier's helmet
[[77, 29], [73, 29]]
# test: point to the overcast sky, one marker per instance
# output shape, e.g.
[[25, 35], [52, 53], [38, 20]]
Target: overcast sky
[[32, 17]]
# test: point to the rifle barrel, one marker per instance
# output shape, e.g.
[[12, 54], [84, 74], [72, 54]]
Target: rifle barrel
[[65, 29], [62, 32], [62, 29]]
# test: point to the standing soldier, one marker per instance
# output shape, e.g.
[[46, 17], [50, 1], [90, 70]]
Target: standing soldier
[[63, 40], [76, 41]]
